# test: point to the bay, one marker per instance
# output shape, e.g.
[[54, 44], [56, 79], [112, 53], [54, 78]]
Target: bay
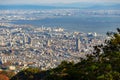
[[99, 24]]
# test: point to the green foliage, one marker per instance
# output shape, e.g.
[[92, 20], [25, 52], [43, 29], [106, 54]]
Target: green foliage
[[29, 74]]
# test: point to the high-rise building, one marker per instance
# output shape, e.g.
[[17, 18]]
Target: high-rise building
[[48, 43], [78, 42]]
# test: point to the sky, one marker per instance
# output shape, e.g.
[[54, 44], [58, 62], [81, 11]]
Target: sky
[[37, 2]]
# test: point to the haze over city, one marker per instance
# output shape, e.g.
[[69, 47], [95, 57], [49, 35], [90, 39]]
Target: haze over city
[[38, 2]]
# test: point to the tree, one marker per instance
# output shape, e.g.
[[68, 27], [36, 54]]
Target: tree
[[9, 74], [30, 74], [3, 77]]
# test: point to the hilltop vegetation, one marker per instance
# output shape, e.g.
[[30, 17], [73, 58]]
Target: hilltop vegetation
[[103, 64], [6, 75]]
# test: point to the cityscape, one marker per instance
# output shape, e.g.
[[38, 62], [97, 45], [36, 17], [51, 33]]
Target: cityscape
[[22, 46], [59, 40]]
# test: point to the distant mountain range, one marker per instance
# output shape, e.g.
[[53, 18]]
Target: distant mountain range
[[115, 6], [61, 5], [26, 7], [90, 5]]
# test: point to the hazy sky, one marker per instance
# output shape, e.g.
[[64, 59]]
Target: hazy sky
[[52, 1]]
